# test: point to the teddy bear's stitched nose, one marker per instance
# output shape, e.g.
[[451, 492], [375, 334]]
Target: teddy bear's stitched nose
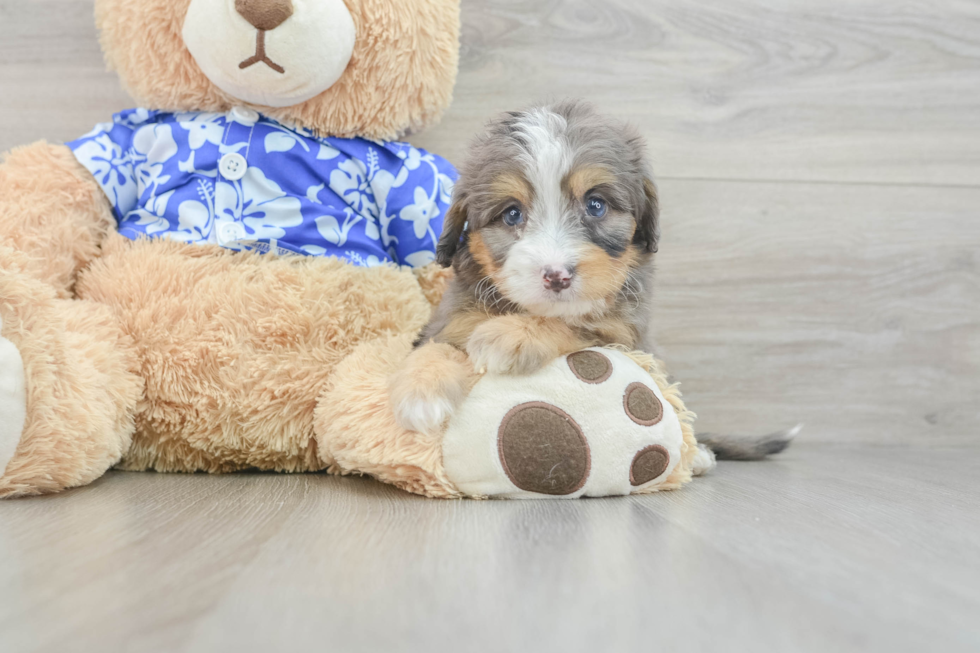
[[265, 14]]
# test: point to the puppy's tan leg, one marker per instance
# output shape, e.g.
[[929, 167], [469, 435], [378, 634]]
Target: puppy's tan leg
[[520, 344], [429, 387]]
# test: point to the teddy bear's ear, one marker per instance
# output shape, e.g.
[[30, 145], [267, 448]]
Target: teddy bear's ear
[[453, 232]]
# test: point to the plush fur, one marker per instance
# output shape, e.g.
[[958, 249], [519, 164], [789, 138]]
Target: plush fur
[[81, 385], [235, 348], [53, 212], [356, 425], [399, 79]]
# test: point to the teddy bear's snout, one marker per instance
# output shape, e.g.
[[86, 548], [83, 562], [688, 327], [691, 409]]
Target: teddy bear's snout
[[264, 15]]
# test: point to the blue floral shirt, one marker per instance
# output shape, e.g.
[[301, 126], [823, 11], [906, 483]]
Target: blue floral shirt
[[246, 182]]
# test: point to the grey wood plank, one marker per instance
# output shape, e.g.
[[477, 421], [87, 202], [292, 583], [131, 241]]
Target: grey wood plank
[[830, 91], [853, 308], [826, 548]]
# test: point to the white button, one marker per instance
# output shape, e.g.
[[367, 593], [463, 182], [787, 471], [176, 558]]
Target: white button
[[230, 232], [244, 114], [233, 166]]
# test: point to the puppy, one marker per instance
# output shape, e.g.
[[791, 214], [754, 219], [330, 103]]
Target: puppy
[[551, 235]]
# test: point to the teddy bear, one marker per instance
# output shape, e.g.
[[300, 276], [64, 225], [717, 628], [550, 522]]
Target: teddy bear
[[224, 278]]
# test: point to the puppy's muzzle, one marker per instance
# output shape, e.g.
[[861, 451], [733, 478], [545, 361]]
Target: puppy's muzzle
[[557, 279]]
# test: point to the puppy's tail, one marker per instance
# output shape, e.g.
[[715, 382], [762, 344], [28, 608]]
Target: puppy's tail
[[747, 447]]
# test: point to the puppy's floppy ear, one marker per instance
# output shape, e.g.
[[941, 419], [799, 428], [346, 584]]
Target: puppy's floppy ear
[[452, 232], [648, 218]]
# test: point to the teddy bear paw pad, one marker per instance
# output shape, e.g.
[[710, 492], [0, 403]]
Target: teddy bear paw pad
[[543, 450], [593, 423], [13, 401]]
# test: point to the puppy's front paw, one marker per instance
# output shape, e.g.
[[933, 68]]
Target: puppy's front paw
[[503, 346], [426, 392], [423, 414]]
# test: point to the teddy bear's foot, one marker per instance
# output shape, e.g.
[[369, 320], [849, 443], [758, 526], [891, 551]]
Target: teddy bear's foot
[[594, 423], [598, 422], [356, 426], [67, 389], [13, 400]]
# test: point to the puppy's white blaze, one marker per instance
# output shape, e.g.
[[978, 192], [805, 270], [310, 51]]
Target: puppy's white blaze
[[547, 241], [547, 160]]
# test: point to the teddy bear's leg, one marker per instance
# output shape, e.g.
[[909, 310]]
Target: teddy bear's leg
[[356, 427], [52, 210], [67, 390], [598, 422], [13, 399]]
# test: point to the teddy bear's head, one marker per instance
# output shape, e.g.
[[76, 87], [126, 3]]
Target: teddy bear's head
[[375, 68]]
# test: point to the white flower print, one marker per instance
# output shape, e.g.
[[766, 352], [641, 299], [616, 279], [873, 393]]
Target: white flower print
[[282, 140], [260, 202], [190, 167], [327, 152], [195, 219], [350, 181], [368, 261], [419, 259], [331, 229], [420, 213], [446, 186], [136, 117], [202, 128], [335, 232], [412, 157], [279, 142], [152, 216], [153, 147], [313, 192], [112, 169]]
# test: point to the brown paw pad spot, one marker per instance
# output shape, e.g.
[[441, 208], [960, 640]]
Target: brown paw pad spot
[[648, 464], [543, 450], [590, 366], [642, 405]]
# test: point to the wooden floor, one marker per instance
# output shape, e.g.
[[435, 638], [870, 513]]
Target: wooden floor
[[828, 548], [819, 167]]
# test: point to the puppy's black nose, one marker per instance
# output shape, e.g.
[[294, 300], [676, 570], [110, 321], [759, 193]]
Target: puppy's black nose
[[265, 14], [557, 280]]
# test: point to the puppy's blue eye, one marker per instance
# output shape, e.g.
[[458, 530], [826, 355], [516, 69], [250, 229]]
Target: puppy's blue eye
[[596, 206], [513, 216]]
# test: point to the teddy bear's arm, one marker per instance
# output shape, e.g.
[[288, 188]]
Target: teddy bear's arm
[[53, 210]]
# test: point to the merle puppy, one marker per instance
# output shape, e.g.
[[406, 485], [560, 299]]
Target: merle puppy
[[551, 235]]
